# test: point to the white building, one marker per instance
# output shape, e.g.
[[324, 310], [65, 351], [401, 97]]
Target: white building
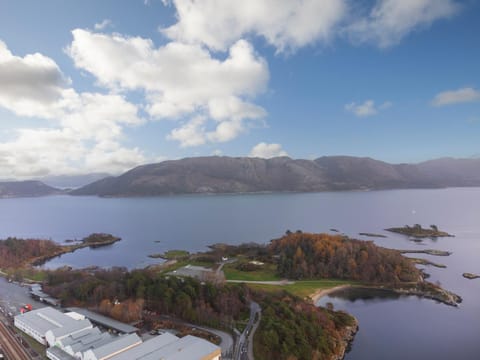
[[117, 346], [37, 323], [170, 347], [54, 335]]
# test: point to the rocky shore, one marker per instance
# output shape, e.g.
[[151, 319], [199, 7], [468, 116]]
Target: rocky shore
[[470, 276], [346, 341]]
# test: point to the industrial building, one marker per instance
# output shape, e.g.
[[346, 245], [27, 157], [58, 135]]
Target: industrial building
[[170, 347], [118, 345], [71, 336], [37, 323]]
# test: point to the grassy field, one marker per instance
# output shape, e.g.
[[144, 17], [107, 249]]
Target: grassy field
[[266, 273], [303, 288], [183, 263]]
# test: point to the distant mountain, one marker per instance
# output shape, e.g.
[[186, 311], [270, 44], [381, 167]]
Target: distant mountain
[[72, 181], [30, 188], [282, 174]]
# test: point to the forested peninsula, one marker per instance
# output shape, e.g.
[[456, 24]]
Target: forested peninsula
[[292, 267]]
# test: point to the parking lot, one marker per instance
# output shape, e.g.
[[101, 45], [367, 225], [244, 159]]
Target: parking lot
[[13, 296]]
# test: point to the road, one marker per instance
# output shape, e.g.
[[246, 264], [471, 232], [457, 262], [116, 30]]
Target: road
[[276, 282], [245, 340], [226, 343]]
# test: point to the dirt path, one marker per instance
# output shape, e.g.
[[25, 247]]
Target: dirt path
[[317, 295]]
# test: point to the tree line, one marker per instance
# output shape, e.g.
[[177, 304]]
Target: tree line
[[305, 255]]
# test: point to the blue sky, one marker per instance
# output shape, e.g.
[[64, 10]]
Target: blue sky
[[90, 86]]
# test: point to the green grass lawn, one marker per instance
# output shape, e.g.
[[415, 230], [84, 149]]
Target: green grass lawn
[[303, 288], [266, 273]]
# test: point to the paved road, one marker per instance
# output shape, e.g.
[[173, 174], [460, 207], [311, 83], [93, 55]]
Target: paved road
[[252, 334], [227, 341], [245, 340], [278, 282]]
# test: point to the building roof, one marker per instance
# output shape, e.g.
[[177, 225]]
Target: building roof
[[73, 327], [77, 337], [45, 319], [60, 354], [105, 321], [119, 344], [146, 348], [169, 347], [91, 342]]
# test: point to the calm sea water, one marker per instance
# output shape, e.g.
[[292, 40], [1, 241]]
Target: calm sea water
[[403, 328]]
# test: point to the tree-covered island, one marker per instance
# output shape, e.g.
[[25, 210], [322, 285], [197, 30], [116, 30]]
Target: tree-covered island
[[417, 231]]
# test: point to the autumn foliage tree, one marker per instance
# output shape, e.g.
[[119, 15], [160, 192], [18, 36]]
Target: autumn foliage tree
[[16, 252], [305, 255]]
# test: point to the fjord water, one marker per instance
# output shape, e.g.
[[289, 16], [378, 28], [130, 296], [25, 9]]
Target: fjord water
[[402, 328]]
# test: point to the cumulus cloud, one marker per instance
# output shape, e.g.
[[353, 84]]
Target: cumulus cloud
[[366, 108], [179, 80], [104, 24], [29, 85], [267, 151], [463, 95], [82, 126], [284, 24], [391, 20]]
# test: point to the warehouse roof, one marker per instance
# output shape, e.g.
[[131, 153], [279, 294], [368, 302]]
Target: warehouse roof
[[169, 347], [119, 344], [73, 327], [105, 321], [146, 348], [45, 319]]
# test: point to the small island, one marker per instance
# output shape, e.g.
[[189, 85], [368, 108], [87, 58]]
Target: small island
[[171, 255], [470, 276], [432, 252], [372, 235], [417, 231]]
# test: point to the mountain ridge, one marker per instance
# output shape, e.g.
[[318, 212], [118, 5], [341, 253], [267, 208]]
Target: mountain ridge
[[26, 188], [217, 175]]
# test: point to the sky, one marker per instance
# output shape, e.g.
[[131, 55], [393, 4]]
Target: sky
[[103, 86]]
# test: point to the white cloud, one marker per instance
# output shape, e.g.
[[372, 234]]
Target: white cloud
[[267, 151], [366, 108], [463, 95], [285, 24], [85, 129], [29, 85], [190, 134], [391, 20], [180, 80], [104, 24]]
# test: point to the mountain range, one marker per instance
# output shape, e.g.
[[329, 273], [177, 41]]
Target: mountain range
[[282, 174]]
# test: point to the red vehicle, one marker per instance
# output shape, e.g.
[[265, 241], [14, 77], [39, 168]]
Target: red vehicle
[[26, 308]]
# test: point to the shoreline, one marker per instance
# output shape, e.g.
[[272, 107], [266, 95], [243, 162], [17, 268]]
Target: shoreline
[[439, 294], [318, 294]]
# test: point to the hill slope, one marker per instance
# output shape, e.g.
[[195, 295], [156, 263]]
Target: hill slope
[[236, 175], [28, 188]]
